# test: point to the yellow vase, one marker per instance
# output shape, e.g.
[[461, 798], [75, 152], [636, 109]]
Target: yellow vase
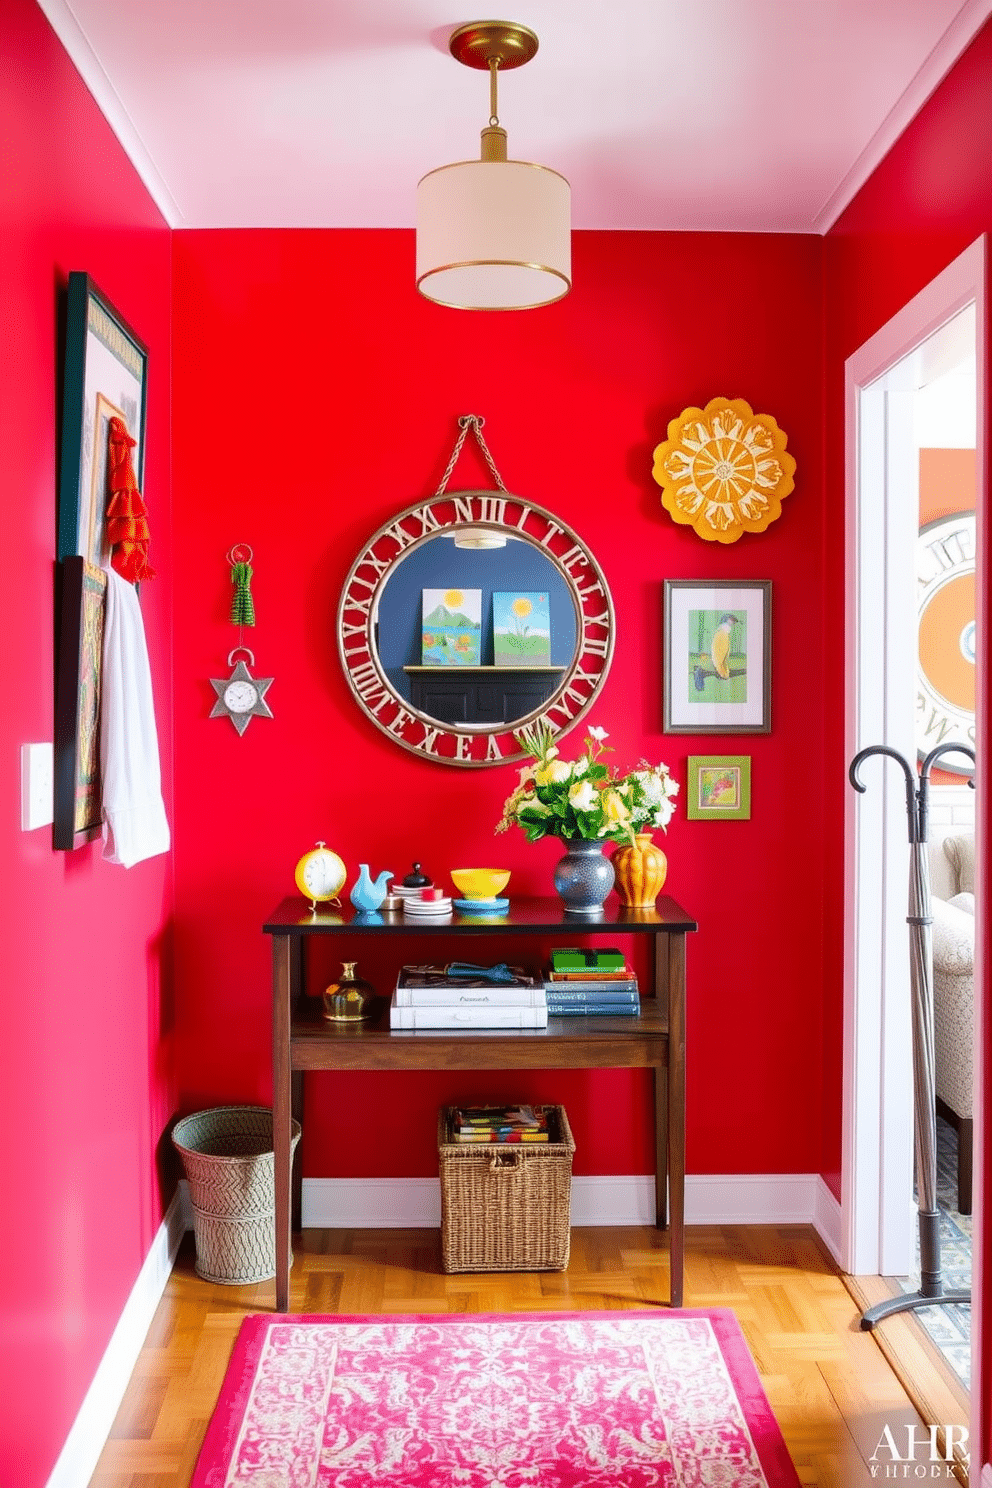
[[641, 871]]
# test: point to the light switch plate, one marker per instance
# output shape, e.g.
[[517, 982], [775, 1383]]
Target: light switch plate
[[37, 802]]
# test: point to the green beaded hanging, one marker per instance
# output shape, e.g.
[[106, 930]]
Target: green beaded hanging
[[242, 605], [241, 697]]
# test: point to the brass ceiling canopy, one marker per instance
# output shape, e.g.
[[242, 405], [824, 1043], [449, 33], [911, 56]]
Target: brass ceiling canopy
[[479, 43]]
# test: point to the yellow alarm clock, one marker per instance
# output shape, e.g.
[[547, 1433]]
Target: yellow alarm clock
[[320, 874]]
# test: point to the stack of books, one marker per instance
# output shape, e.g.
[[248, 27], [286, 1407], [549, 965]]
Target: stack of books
[[590, 982], [499, 1124], [436, 997]]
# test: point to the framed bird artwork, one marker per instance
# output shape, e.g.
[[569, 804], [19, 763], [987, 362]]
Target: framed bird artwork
[[717, 656]]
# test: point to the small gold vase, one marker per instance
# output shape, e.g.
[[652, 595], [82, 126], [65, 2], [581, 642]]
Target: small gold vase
[[641, 870], [350, 999]]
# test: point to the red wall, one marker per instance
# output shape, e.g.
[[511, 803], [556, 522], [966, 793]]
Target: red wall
[[86, 1045], [315, 395], [928, 200]]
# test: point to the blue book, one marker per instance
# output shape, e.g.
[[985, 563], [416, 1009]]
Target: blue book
[[554, 992], [591, 1009]]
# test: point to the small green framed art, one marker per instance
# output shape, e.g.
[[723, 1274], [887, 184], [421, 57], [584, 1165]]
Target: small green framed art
[[719, 787]]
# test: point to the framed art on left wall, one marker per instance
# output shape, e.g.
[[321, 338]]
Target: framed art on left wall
[[77, 799], [105, 376]]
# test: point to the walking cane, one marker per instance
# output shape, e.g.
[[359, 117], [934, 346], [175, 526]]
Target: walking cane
[[931, 1290]]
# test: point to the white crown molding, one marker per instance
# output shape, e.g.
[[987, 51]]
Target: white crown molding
[[963, 29], [72, 36], [90, 1430]]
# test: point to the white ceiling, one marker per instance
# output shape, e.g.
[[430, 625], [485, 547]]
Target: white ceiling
[[749, 115]]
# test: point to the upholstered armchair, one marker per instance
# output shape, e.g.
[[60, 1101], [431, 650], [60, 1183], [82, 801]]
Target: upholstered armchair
[[952, 889]]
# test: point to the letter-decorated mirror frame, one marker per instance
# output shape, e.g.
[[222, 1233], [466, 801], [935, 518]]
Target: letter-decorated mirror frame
[[473, 745]]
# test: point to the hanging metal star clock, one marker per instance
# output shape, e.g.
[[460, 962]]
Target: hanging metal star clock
[[241, 697]]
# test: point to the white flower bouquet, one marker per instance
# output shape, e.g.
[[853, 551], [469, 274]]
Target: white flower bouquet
[[584, 799]]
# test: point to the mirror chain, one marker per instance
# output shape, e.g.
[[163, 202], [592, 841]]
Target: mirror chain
[[473, 421]]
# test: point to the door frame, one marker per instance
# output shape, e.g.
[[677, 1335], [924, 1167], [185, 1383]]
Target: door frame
[[880, 642]]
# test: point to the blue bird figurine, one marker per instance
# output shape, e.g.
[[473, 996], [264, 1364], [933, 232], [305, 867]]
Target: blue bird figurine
[[367, 895]]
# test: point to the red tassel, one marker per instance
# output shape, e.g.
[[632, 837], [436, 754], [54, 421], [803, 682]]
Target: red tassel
[[127, 515]]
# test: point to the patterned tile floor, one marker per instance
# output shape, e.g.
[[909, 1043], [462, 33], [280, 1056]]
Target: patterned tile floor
[[949, 1326]]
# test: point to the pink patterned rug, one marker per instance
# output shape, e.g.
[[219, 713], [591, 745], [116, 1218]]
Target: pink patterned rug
[[520, 1400]]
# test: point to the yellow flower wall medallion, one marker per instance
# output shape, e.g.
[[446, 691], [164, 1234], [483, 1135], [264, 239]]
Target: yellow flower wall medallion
[[724, 469]]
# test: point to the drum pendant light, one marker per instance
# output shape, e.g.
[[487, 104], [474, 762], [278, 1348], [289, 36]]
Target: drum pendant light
[[493, 233]]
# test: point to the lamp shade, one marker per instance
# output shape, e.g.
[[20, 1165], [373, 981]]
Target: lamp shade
[[494, 235], [479, 537]]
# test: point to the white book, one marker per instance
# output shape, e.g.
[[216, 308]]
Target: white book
[[467, 1017], [449, 994]]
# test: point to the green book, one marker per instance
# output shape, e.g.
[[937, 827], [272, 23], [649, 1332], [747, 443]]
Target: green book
[[570, 958]]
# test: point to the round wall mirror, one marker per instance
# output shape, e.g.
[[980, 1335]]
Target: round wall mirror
[[470, 616]]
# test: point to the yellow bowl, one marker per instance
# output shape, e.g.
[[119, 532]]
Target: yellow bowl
[[480, 883]]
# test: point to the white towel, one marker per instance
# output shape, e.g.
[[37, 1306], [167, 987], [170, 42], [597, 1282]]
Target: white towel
[[134, 823]]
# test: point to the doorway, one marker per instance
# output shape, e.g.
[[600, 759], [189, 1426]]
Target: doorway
[[895, 382]]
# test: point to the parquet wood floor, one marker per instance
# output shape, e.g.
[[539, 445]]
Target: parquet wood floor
[[829, 1384]]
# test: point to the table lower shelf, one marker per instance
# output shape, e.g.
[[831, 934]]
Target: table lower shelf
[[584, 1042], [566, 1043]]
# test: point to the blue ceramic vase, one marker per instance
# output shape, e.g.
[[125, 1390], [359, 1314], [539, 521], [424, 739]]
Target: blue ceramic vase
[[584, 877]]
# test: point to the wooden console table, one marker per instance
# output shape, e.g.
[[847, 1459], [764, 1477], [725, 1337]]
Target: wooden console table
[[302, 1040]]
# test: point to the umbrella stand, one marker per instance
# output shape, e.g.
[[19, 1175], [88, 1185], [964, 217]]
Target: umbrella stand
[[931, 1290]]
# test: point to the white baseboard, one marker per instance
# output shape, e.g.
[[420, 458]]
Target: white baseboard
[[371, 1203], [613, 1200], [754, 1198], [91, 1428], [827, 1220], [750, 1198]]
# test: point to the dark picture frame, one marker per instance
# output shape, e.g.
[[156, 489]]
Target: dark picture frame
[[77, 796], [717, 656], [105, 374]]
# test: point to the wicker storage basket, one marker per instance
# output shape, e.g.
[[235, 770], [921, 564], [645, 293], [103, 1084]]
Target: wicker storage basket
[[506, 1207], [229, 1162]]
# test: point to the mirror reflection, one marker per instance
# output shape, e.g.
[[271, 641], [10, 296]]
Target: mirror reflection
[[476, 636]]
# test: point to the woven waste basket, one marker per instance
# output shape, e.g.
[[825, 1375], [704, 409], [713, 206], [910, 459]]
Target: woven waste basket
[[506, 1207], [229, 1162]]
